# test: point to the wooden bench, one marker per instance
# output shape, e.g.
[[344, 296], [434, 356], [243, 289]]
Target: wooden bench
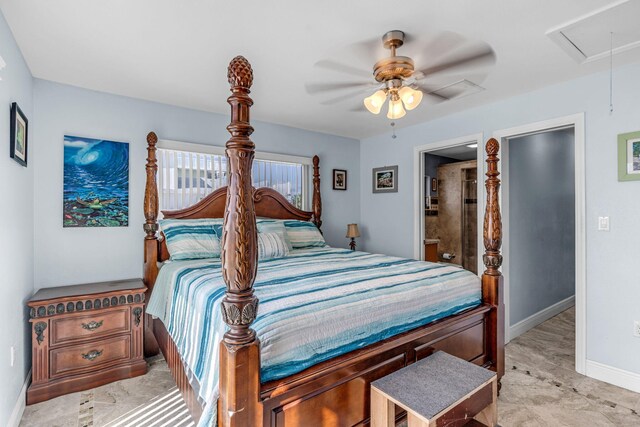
[[439, 390]]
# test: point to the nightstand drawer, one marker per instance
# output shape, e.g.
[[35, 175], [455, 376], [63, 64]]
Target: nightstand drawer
[[90, 325], [89, 356]]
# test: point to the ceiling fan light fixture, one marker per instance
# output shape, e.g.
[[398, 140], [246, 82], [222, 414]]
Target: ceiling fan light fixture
[[396, 111], [375, 102], [410, 97]]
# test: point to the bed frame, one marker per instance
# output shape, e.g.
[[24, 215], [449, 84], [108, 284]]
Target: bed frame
[[334, 392]]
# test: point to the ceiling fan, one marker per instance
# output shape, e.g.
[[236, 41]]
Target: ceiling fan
[[396, 77]]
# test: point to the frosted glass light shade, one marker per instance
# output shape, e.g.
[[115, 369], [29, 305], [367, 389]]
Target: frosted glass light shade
[[395, 110], [410, 97], [375, 102]]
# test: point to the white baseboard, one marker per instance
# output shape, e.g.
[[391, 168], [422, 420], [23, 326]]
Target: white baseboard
[[18, 408], [615, 376], [535, 319]]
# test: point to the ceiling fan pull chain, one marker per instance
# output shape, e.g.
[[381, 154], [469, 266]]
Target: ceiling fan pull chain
[[393, 130], [611, 75]]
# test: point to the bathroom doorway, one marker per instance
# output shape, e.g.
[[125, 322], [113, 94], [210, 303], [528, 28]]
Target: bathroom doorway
[[449, 203]]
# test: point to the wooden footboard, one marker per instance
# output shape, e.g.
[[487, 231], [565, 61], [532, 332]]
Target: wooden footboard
[[335, 392]]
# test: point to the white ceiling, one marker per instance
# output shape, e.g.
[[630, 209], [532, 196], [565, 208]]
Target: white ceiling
[[176, 52]]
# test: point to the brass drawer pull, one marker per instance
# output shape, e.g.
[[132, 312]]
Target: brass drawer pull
[[91, 326], [92, 354]]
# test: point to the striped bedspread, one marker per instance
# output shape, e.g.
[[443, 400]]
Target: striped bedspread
[[315, 304]]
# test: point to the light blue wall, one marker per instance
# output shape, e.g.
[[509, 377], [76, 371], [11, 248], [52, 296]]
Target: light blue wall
[[541, 222], [16, 227], [67, 256], [613, 288]]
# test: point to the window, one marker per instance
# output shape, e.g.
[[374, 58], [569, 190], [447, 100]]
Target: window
[[188, 172]]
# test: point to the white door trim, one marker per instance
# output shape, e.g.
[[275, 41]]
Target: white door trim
[[418, 188], [577, 122]]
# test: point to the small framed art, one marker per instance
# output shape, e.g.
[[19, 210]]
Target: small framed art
[[339, 179], [19, 135], [629, 156], [385, 179]]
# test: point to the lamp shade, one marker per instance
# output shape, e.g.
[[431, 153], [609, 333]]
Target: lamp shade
[[410, 97], [352, 231], [375, 102]]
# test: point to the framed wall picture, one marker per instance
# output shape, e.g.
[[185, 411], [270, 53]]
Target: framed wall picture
[[96, 183], [629, 156], [385, 179], [19, 135], [339, 179]]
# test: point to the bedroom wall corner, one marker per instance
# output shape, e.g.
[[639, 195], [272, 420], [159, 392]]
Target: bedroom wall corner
[[16, 229]]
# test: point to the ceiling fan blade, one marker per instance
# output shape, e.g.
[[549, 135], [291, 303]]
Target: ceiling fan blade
[[349, 95], [313, 88], [359, 109], [437, 46], [429, 91], [484, 56], [343, 68]]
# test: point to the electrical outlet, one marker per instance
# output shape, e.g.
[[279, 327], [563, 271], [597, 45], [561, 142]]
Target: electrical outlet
[[12, 356], [636, 328]]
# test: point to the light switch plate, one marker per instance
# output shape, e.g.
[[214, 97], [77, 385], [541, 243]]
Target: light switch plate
[[603, 223]]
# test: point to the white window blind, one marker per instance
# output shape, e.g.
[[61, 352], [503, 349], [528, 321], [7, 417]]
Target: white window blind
[[188, 172]]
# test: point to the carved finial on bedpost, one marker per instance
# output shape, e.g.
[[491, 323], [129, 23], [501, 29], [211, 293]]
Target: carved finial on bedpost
[[492, 281], [317, 200], [151, 189], [492, 219], [239, 403]]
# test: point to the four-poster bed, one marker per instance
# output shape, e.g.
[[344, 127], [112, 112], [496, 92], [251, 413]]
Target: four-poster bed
[[334, 391]]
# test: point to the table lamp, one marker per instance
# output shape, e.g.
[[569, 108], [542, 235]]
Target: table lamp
[[352, 233]]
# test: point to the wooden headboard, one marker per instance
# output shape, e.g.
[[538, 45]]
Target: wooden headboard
[[268, 204]]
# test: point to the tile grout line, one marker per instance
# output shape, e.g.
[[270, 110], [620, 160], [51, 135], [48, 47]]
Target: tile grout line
[[85, 409]]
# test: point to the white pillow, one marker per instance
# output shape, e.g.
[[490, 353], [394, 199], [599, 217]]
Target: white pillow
[[271, 245]]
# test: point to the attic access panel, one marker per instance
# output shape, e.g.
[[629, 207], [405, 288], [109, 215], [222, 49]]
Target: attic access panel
[[588, 38]]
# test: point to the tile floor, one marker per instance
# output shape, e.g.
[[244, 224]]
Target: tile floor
[[540, 388]]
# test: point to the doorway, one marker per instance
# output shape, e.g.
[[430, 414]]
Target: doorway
[[448, 207], [543, 194]]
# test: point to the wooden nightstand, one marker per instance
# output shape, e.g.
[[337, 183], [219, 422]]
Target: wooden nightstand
[[85, 336]]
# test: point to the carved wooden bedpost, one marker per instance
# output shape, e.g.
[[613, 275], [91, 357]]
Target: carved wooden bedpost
[[317, 200], [150, 270], [492, 281], [239, 403]]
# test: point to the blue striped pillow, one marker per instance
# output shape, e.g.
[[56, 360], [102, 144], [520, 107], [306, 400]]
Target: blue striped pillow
[[274, 226], [304, 234], [271, 245], [191, 238]]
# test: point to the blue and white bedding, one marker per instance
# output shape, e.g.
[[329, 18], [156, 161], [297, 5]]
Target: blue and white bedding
[[315, 304]]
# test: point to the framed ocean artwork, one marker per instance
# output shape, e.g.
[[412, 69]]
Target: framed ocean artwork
[[96, 183]]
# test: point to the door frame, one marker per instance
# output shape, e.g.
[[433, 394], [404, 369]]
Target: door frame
[[418, 189], [577, 122]]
